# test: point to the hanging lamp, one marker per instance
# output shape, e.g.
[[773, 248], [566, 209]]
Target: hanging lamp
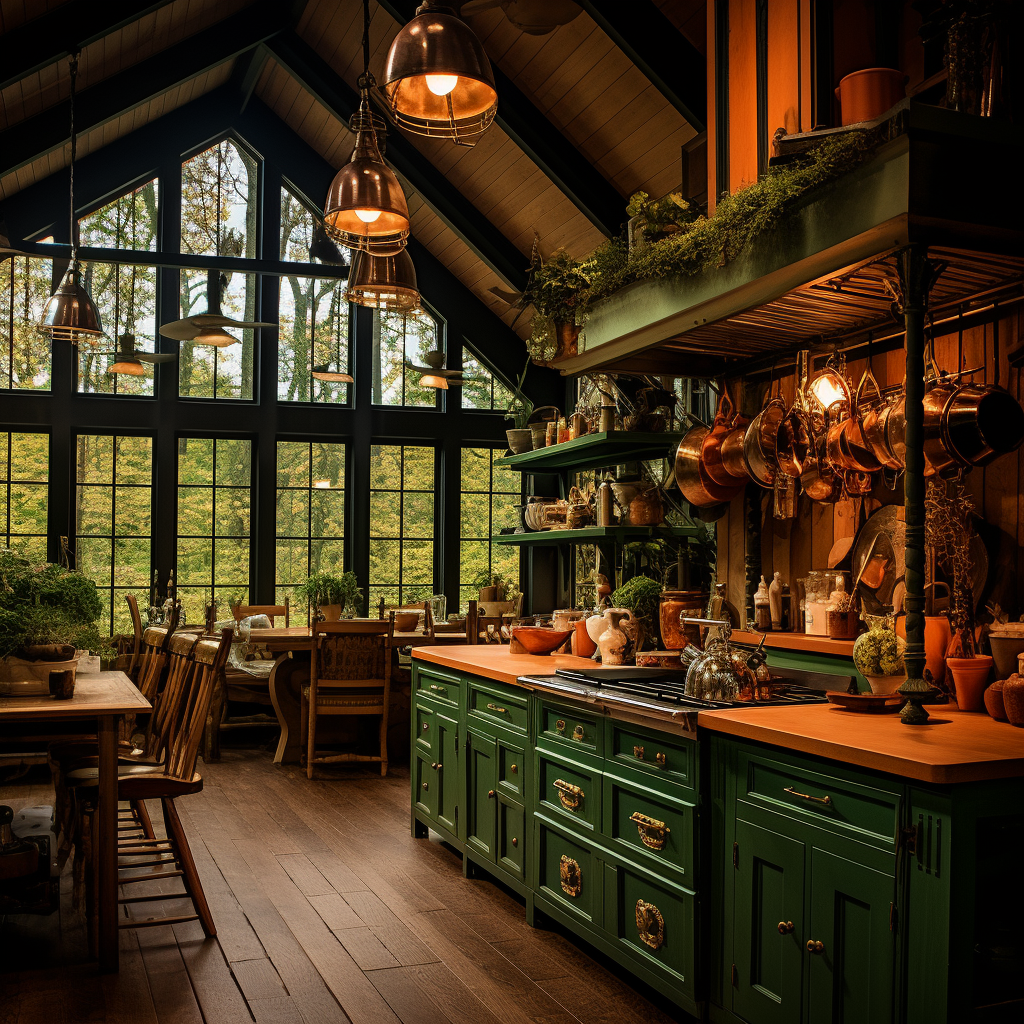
[[334, 374], [383, 282], [366, 207], [70, 314], [208, 328], [434, 375], [438, 79]]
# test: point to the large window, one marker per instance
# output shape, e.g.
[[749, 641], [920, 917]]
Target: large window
[[219, 201], [214, 502], [113, 519], [483, 389], [25, 287], [24, 470], [313, 334], [489, 497], [128, 222], [401, 339], [401, 524], [310, 513], [301, 238]]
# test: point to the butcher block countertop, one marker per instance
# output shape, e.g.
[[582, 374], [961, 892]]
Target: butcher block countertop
[[495, 661], [955, 746]]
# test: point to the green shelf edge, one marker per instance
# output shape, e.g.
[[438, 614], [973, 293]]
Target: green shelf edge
[[591, 534], [601, 449]]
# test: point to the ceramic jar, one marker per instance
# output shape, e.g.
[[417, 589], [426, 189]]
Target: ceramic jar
[[613, 642], [969, 678], [878, 654], [675, 606], [994, 703], [1013, 699]]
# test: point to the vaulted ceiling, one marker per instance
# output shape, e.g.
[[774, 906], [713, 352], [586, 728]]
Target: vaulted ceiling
[[588, 114]]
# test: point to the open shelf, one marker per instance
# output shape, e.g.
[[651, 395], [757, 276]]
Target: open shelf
[[795, 642], [592, 535], [607, 448]]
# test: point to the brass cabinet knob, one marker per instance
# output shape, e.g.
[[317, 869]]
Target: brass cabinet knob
[[515, 842], [660, 758], [424, 785], [514, 769], [815, 947], [785, 927], [426, 726], [577, 734], [560, 726], [490, 794]]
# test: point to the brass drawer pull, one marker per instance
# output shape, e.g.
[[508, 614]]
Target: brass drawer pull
[[570, 876], [439, 689], [494, 707], [514, 769], [426, 726], [434, 766], [424, 785], [826, 800], [515, 842], [577, 734], [652, 832], [650, 925], [490, 794], [638, 753], [570, 796], [785, 927], [560, 726], [815, 947], [659, 757]]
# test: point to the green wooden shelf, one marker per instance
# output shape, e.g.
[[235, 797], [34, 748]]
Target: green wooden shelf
[[592, 535], [602, 449]]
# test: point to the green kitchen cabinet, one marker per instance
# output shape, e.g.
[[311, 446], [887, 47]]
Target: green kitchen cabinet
[[448, 777], [482, 795]]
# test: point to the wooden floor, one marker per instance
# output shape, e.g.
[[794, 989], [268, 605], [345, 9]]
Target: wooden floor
[[327, 911]]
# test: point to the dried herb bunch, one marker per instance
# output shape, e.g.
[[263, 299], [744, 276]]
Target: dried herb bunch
[[949, 512]]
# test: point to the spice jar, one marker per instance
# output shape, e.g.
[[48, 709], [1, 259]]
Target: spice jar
[[762, 608], [841, 614], [676, 605], [816, 590], [646, 508]]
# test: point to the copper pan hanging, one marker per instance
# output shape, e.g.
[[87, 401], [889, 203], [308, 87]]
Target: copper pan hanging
[[691, 475], [937, 457], [818, 479], [873, 422], [712, 455], [759, 441], [981, 422], [792, 442], [846, 446]]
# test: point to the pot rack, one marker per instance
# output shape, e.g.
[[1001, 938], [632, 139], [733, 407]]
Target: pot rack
[[932, 226]]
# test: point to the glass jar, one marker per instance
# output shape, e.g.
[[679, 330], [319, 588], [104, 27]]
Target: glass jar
[[816, 591], [676, 605], [878, 654], [842, 620]]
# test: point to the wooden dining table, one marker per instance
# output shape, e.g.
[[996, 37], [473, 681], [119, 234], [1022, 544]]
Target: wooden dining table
[[102, 698], [292, 645]]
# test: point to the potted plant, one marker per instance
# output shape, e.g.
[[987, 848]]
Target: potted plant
[[555, 290], [330, 593], [520, 409], [949, 527], [642, 596], [653, 219]]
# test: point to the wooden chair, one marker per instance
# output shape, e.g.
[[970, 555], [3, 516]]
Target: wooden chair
[[350, 674], [136, 655], [243, 611], [488, 629], [182, 726]]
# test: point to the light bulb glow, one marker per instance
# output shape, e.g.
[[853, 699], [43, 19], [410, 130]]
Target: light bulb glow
[[430, 380], [441, 85], [829, 388], [367, 216]]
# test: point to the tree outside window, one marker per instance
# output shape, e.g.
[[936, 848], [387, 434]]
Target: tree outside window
[[25, 287], [24, 471]]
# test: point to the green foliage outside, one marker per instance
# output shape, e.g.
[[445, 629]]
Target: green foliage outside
[[399, 338], [24, 471], [482, 390], [25, 287]]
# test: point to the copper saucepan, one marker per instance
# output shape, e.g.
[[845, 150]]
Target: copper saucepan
[[873, 421], [713, 453], [818, 480], [846, 446], [691, 476], [937, 457], [792, 442], [759, 442], [982, 422]]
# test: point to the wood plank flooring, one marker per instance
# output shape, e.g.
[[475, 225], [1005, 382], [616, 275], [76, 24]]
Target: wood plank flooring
[[327, 912]]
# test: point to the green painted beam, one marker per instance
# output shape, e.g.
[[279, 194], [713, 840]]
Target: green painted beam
[[593, 535], [609, 448]]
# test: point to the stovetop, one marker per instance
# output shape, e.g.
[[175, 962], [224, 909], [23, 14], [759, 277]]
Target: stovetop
[[663, 690]]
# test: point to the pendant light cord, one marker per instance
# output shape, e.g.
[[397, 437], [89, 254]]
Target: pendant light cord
[[366, 37], [73, 68]]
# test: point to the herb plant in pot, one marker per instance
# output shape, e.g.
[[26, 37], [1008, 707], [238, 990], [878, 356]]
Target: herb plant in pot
[[331, 594], [555, 290], [949, 517], [642, 596], [520, 436]]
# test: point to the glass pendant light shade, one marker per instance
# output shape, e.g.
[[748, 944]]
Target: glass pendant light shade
[[215, 336], [430, 380], [383, 282], [70, 314], [829, 387], [437, 79], [366, 208], [129, 366]]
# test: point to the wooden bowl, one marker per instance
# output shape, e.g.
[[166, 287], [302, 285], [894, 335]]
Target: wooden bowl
[[406, 622], [540, 639]]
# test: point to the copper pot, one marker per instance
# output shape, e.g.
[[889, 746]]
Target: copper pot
[[759, 442], [982, 422], [937, 457], [691, 475], [873, 425], [818, 480], [846, 445], [792, 442], [712, 455], [732, 454], [896, 431]]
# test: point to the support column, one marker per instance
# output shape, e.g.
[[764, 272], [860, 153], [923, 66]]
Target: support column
[[916, 274]]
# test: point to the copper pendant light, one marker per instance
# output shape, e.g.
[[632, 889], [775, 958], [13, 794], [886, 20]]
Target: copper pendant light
[[438, 79], [366, 207], [383, 282], [70, 314]]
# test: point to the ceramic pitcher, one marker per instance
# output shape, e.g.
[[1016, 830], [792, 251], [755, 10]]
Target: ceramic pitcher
[[613, 641]]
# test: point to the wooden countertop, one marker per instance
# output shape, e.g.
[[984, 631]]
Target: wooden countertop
[[795, 642], [495, 661], [955, 746]]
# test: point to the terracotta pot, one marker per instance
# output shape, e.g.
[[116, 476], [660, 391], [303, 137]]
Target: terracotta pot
[[566, 334], [885, 684], [539, 639], [867, 94], [582, 645], [936, 639], [520, 439], [994, 701], [969, 677], [331, 612], [1013, 699]]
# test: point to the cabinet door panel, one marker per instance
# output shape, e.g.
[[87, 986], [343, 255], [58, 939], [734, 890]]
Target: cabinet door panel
[[424, 780], [851, 978], [447, 732], [769, 891], [481, 778], [511, 837]]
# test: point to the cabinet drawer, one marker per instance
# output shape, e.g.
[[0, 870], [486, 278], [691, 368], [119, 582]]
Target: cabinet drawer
[[511, 769], [657, 925], [561, 726], [867, 813], [566, 873], [498, 707], [569, 791], [424, 730], [442, 686], [650, 828], [669, 757], [424, 778], [511, 826]]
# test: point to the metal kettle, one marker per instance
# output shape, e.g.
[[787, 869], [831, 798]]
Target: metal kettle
[[720, 671]]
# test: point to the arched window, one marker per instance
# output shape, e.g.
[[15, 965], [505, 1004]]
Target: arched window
[[400, 341], [219, 202], [483, 388]]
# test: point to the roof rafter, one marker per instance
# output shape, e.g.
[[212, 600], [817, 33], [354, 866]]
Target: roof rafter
[[668, 60], [71, 26], [313, 73], [531, 130], [120, 93]]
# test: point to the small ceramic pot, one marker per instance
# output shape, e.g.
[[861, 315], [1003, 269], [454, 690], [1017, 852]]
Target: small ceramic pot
[[1006, 650], [969, 677], [885, 684], [937, 635], [582, 645], [331, 612], [520, 439], [994, 701], [1013, 699]]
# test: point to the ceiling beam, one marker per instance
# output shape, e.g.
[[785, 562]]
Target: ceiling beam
[[668, 60], [306, 66], [246, 73], [122, 92], [531, 130], [63, 30]]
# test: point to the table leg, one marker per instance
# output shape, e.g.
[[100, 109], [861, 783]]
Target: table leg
[[105, 847], [285, 684]]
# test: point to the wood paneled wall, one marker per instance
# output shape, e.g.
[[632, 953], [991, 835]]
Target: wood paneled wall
[[794, 546]]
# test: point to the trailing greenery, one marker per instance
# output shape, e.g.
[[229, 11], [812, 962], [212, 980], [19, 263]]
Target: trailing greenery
[[324, 588], [563, 288], [45, 604], [642, 596]]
